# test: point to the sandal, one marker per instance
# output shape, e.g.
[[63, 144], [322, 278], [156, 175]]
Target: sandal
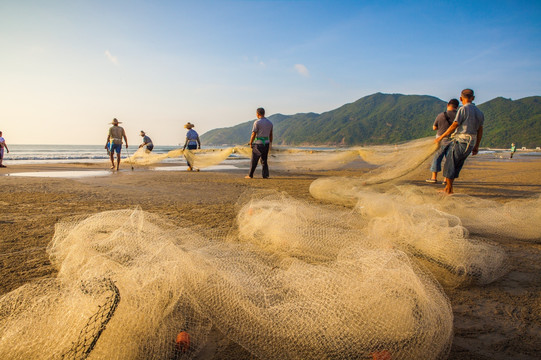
[[431, 181]]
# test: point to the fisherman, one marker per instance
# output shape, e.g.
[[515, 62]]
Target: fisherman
[[114, 140], [146, 141], [468, 124], [260, 142], [192, 142], [513, 148], [441, 124], [2, 146]]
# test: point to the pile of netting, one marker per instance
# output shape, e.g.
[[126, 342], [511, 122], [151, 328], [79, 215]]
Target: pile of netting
[[130, 285], [515, 218]]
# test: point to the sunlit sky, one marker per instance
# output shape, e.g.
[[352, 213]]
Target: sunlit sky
[[67, 68]]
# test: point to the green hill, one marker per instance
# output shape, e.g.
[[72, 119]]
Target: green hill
[[391, 118]]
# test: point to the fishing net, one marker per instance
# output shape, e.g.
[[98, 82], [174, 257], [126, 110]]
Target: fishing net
[[420, 223], [198, 158], [130, 285], [280, 159], [395, 161]]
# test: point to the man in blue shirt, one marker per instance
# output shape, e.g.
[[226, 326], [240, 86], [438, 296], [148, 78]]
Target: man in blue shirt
[[192, 142], [146, 141]]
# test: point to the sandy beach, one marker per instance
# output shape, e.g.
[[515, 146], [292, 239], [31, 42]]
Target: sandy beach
[[501, 320]]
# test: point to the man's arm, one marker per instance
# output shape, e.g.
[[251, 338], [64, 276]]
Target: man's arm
[[107, 141], [449, 131], [125, 138], [198, 142], [185, 144], [479, 136], [6, 146], [252, 138]]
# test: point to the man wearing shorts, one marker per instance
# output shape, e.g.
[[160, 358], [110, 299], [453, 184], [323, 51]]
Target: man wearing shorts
[[2, 146], [468, 124], [114, 139]]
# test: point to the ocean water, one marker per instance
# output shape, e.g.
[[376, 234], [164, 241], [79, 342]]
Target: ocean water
[[54, 154]]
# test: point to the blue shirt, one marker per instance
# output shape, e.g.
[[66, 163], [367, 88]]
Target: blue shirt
[[192, 136]]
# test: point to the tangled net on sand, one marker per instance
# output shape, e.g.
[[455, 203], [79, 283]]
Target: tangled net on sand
[[352, 302]]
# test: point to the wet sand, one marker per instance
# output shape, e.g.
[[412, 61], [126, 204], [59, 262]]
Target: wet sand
[[501, 320]]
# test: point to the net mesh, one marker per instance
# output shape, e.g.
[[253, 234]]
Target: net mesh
[[130, 284], [281, 159]]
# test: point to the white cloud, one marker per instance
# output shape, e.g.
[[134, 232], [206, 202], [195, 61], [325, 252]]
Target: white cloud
[[301, 69], [111, 58]]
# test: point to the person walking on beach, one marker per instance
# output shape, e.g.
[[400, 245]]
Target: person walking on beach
[[441, 124], [468, 124], [114, 140], [260, 142], [513, 148], [192, 142], [146, 141], [2, 146]]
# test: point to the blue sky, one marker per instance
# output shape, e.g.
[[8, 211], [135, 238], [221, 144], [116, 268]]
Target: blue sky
[[69, 67]]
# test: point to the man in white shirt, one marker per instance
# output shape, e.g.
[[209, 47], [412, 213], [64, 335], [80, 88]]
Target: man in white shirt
[[2, 146]]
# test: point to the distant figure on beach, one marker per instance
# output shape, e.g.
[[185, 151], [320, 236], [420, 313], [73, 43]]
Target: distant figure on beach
[[2, 146], [260, 142], [114, 141], [441, 124], [513, 148], [468, 124], [146, 141], [192, 142]]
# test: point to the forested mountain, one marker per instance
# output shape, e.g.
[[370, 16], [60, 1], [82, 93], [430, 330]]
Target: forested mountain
[[391, 118]]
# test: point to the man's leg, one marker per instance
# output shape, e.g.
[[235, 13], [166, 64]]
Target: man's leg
[[264, 157], [256, 155], [458, 152], [112, 156], [117, 160]]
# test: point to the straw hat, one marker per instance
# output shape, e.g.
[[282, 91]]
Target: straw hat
[[189, 125], [116, 122]]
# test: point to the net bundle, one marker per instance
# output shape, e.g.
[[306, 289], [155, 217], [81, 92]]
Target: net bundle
[[413, 220], [131, 285]]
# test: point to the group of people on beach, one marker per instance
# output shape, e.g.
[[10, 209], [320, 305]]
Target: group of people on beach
[[459, 134], [260, 142]]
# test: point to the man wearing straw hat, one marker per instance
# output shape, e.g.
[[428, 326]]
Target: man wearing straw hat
[[114, 140], [260, 142], [192, 142]]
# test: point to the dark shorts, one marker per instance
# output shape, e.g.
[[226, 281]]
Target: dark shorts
[[150, 147], [192, 146], [115, 147]]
